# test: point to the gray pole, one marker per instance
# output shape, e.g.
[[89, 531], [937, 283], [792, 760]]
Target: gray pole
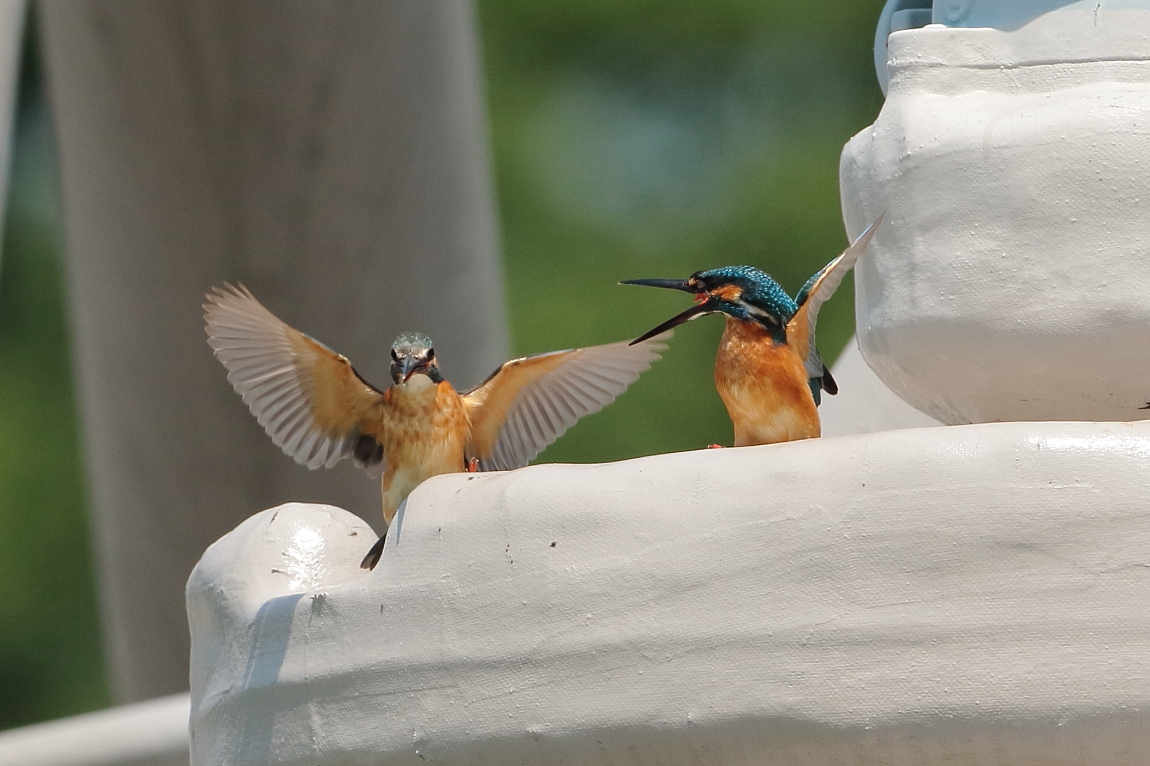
[[11, 35], [333, 157]]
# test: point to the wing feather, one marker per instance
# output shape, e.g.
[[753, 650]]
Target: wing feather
[[530, 402], [570, 396], [307, 446], [308, 398], [820, 287]]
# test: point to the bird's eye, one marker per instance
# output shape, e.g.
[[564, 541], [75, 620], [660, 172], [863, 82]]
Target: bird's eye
[[394, 355], [430, 354]]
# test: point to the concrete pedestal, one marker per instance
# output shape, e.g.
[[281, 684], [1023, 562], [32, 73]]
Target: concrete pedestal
[[931, 595], [1009, 279]]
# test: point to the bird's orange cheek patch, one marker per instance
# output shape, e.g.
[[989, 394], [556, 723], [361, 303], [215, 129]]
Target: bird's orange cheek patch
[[730, 293]]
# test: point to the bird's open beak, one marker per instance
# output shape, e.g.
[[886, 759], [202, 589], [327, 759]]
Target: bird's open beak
[[702, 306], [695, 311], [409, 368]]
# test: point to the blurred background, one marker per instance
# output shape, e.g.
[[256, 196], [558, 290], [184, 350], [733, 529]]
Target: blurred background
[[630, 139]]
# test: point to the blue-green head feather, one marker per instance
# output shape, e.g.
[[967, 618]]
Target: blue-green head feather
[[759, 297], [413, 353]]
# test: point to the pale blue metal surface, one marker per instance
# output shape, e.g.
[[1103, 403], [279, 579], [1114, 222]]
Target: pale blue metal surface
[[1000, 14]]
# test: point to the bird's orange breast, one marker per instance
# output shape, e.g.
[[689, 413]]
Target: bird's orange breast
[[764, 386], [426, 431]]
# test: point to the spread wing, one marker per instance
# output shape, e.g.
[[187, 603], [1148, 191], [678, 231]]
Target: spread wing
[[820, 287], [308, 398], [528, 403]]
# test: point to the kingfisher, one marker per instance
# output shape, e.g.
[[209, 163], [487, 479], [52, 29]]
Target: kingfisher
[[319, 410], [768, 370]]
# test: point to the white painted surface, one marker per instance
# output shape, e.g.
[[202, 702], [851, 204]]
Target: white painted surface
[[864, 404], [969, 595], [152, 733], [1010, 278]]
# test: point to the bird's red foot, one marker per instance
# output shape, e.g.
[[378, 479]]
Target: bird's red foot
[[473, 465], [714, 446]]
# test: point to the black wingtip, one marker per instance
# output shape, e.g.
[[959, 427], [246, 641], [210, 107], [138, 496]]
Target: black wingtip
[[367, 452], [374, 555], [829, 384]]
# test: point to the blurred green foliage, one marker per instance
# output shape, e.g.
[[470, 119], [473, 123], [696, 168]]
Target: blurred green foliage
[[655, 139], [631, 139]]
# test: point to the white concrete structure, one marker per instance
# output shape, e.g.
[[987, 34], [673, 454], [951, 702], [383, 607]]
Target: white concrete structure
[[1009, 278], [892, 598], [864, 404]]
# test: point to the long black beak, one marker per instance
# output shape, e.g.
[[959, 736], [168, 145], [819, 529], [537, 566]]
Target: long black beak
[[695, 311], [673, 284], [409, 365]]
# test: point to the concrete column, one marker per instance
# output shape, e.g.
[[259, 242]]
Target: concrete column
[[1009, 279], [11, 34], [864, 404], [332, 157]]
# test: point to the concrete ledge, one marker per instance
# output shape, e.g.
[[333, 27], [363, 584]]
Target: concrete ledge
[[152, 733], [937, 595]]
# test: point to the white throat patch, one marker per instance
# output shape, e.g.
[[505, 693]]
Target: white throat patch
[[417, 383]]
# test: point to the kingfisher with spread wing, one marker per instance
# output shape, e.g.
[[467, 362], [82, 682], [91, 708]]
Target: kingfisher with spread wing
[[318, 410], [768, 371]]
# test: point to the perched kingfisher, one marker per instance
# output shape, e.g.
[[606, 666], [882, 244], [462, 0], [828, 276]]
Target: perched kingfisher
[[318, 410], [768, 371]]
